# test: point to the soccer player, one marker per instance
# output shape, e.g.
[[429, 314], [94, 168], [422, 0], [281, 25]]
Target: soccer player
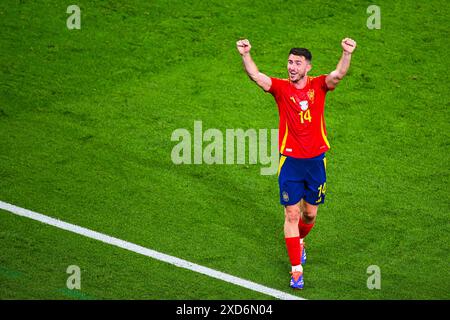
[[302, 141]]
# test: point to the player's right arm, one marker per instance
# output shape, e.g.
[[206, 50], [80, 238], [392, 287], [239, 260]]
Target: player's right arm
[[243, 46]]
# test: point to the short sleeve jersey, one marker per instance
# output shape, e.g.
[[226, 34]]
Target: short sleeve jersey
[[302, 132]]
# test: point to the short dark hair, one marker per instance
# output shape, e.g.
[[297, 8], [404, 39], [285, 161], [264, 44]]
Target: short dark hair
[[301, 52]]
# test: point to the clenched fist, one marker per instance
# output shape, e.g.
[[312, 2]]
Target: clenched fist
[[243, 46], [348, 45]]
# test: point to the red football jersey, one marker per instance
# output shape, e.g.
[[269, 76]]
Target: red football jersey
[[302, 132]]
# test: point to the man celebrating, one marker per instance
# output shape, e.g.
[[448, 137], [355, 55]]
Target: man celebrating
[[302, 141]]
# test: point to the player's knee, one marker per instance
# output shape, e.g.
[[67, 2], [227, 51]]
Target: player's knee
[[292, 214], [309, 215]]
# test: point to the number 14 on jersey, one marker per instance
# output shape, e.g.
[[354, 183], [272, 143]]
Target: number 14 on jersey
[[305, 116]]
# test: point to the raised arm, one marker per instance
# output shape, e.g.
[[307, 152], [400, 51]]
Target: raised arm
[[259, 78], [332, 80]]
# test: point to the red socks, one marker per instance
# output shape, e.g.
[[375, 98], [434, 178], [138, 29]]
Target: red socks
[[293, 244], [293, 248], [304, 228]]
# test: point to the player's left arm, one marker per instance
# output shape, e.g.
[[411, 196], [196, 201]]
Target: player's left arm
[[348, 46]]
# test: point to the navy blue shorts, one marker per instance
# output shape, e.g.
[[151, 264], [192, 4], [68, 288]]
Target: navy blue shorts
[[302, 179]]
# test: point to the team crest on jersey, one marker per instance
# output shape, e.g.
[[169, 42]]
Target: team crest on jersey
[[304, 105], [285, 196], [311, 95]]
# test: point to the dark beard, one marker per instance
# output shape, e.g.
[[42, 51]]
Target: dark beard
[[299, 79]]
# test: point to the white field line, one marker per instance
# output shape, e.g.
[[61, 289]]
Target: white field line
[[147, 252]]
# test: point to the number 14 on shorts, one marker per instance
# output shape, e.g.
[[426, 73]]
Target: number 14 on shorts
[[322, 190]]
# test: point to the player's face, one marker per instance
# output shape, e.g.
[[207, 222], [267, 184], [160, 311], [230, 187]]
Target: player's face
[[298, 67]]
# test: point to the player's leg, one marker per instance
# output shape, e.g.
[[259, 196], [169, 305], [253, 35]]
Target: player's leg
[[315, 188], [292, 238], [307, 218], [292, 235], [291, 192], [304, 226], [291, 220]]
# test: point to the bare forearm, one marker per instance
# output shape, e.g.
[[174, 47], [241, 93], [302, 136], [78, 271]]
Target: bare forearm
[[344, 64], [348, 45], [250, 66]]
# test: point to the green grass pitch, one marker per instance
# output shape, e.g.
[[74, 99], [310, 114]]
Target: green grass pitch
[[86, 118]]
